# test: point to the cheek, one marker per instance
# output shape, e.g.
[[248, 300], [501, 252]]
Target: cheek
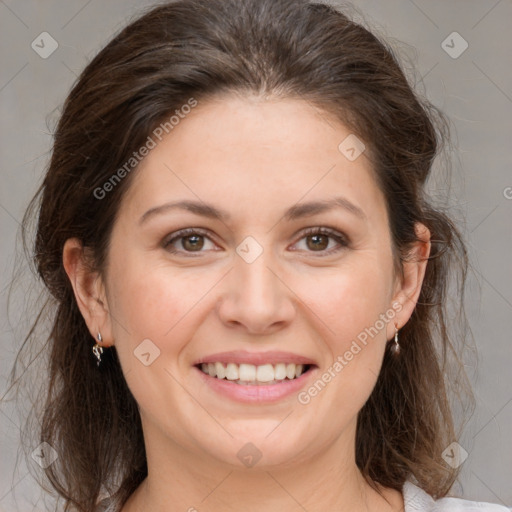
[[353, 307], [348, 303], [158, 302], [350, 298], [152, 302]]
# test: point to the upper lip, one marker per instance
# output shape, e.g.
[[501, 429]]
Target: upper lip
[[255, 358]]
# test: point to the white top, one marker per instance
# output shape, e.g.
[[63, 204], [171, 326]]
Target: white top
[[415, 500]]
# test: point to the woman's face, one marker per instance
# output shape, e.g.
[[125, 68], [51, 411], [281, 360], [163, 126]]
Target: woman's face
[[253, 288]]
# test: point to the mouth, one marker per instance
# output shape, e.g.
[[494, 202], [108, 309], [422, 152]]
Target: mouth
[[256, 377], [246, 374]]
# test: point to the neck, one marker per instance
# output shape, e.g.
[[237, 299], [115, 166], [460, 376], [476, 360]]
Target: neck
[[184, 480]]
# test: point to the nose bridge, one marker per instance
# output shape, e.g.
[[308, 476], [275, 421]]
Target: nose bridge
[[254, 282], [255, 296]]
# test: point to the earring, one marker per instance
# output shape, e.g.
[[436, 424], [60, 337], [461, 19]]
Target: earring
[[97, 350], [395, 348]]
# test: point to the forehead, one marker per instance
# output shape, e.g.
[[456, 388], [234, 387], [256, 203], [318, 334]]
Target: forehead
[[267, 154]]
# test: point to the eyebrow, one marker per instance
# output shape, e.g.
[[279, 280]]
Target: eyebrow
[[294, 212]]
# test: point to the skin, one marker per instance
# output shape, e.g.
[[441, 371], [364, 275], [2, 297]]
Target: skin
[[254, 158]]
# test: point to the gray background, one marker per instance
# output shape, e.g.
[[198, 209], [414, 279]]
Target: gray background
[[474, 90]]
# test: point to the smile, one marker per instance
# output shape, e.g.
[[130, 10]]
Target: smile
[[252, 375]]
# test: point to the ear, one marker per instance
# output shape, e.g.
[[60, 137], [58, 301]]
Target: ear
[[409, 284], [89, 290]]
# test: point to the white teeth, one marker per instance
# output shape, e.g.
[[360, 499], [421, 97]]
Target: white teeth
[[280, 371], [265, 373], [247, 372], [220, 370], [232, 371], [251, 374]]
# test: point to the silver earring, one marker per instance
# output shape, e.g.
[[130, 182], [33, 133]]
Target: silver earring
[[97, 350], [395, 348]]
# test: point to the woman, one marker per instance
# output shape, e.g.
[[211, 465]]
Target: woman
[[250, 280]]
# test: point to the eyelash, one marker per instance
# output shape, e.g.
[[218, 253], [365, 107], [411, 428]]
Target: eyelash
[[340, 238]]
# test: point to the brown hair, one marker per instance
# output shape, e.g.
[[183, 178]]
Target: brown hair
[[284, 49]]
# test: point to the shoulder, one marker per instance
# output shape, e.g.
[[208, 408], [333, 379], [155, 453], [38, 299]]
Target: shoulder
[[417, 500]]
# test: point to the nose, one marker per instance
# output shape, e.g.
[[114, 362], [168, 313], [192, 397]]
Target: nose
[[255, 297]]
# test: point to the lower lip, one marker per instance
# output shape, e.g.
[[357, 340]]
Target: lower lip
[[266, 393]]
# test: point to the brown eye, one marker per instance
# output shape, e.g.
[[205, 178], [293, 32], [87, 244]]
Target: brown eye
[[190, 240], [318, 240]]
